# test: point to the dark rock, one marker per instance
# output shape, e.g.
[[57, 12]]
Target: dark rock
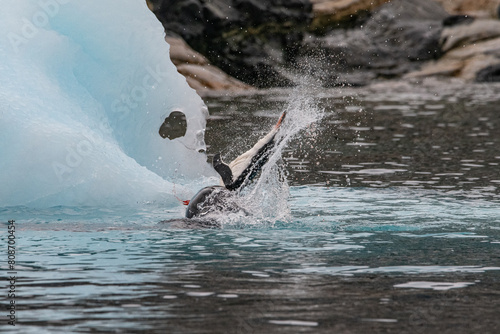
[[200, 74], [266, 42], [474, 54], [460, 36], [480, 9], [454, 20], [489, 74], [393, 41], [248, 39], [405, 30], [336, 14], [174, 126]]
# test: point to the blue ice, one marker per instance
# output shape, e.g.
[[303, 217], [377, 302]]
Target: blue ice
[[84, 88]]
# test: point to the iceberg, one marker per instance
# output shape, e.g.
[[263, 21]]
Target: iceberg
[[85, 87]]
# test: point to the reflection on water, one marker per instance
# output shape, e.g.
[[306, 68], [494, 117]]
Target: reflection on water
[[395, 227], [338, 268], [435, 136], [360, 260]]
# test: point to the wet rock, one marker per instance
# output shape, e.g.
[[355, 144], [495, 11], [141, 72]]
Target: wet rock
[[393, 41], [336, 13], [199, 73], [463, 35], [181, 53], [205, 78], [174, 126], [483, 9], [407, 29], [489, 47], [489, 74], [483, 64], [454, 20], [265, 43], [473, 53], [467, 68], [248, 39], [444, 67]]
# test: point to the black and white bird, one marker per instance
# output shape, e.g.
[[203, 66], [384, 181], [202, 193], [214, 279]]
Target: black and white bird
[[234, 177]]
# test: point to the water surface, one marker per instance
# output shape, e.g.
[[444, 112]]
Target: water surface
[[394, 227]]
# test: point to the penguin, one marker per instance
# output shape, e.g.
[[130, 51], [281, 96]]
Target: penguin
[[234, 177]]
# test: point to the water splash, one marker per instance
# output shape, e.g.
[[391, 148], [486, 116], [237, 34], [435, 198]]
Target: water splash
[[266, 201]]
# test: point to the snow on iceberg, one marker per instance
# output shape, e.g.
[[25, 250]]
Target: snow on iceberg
[[84, 88]]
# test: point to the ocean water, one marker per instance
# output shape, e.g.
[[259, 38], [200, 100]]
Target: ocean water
[[391, 223]]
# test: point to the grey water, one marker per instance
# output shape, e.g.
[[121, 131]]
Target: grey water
[[394, 228]]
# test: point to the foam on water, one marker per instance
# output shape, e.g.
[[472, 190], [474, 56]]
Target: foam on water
[[84, 89], [267, 199], [440, 286]]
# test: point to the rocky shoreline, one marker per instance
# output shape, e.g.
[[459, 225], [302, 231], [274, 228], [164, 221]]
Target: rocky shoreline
[[247, 44], [200, 74]]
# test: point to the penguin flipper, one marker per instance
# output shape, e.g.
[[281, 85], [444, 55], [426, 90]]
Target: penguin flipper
[[223, 169]]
